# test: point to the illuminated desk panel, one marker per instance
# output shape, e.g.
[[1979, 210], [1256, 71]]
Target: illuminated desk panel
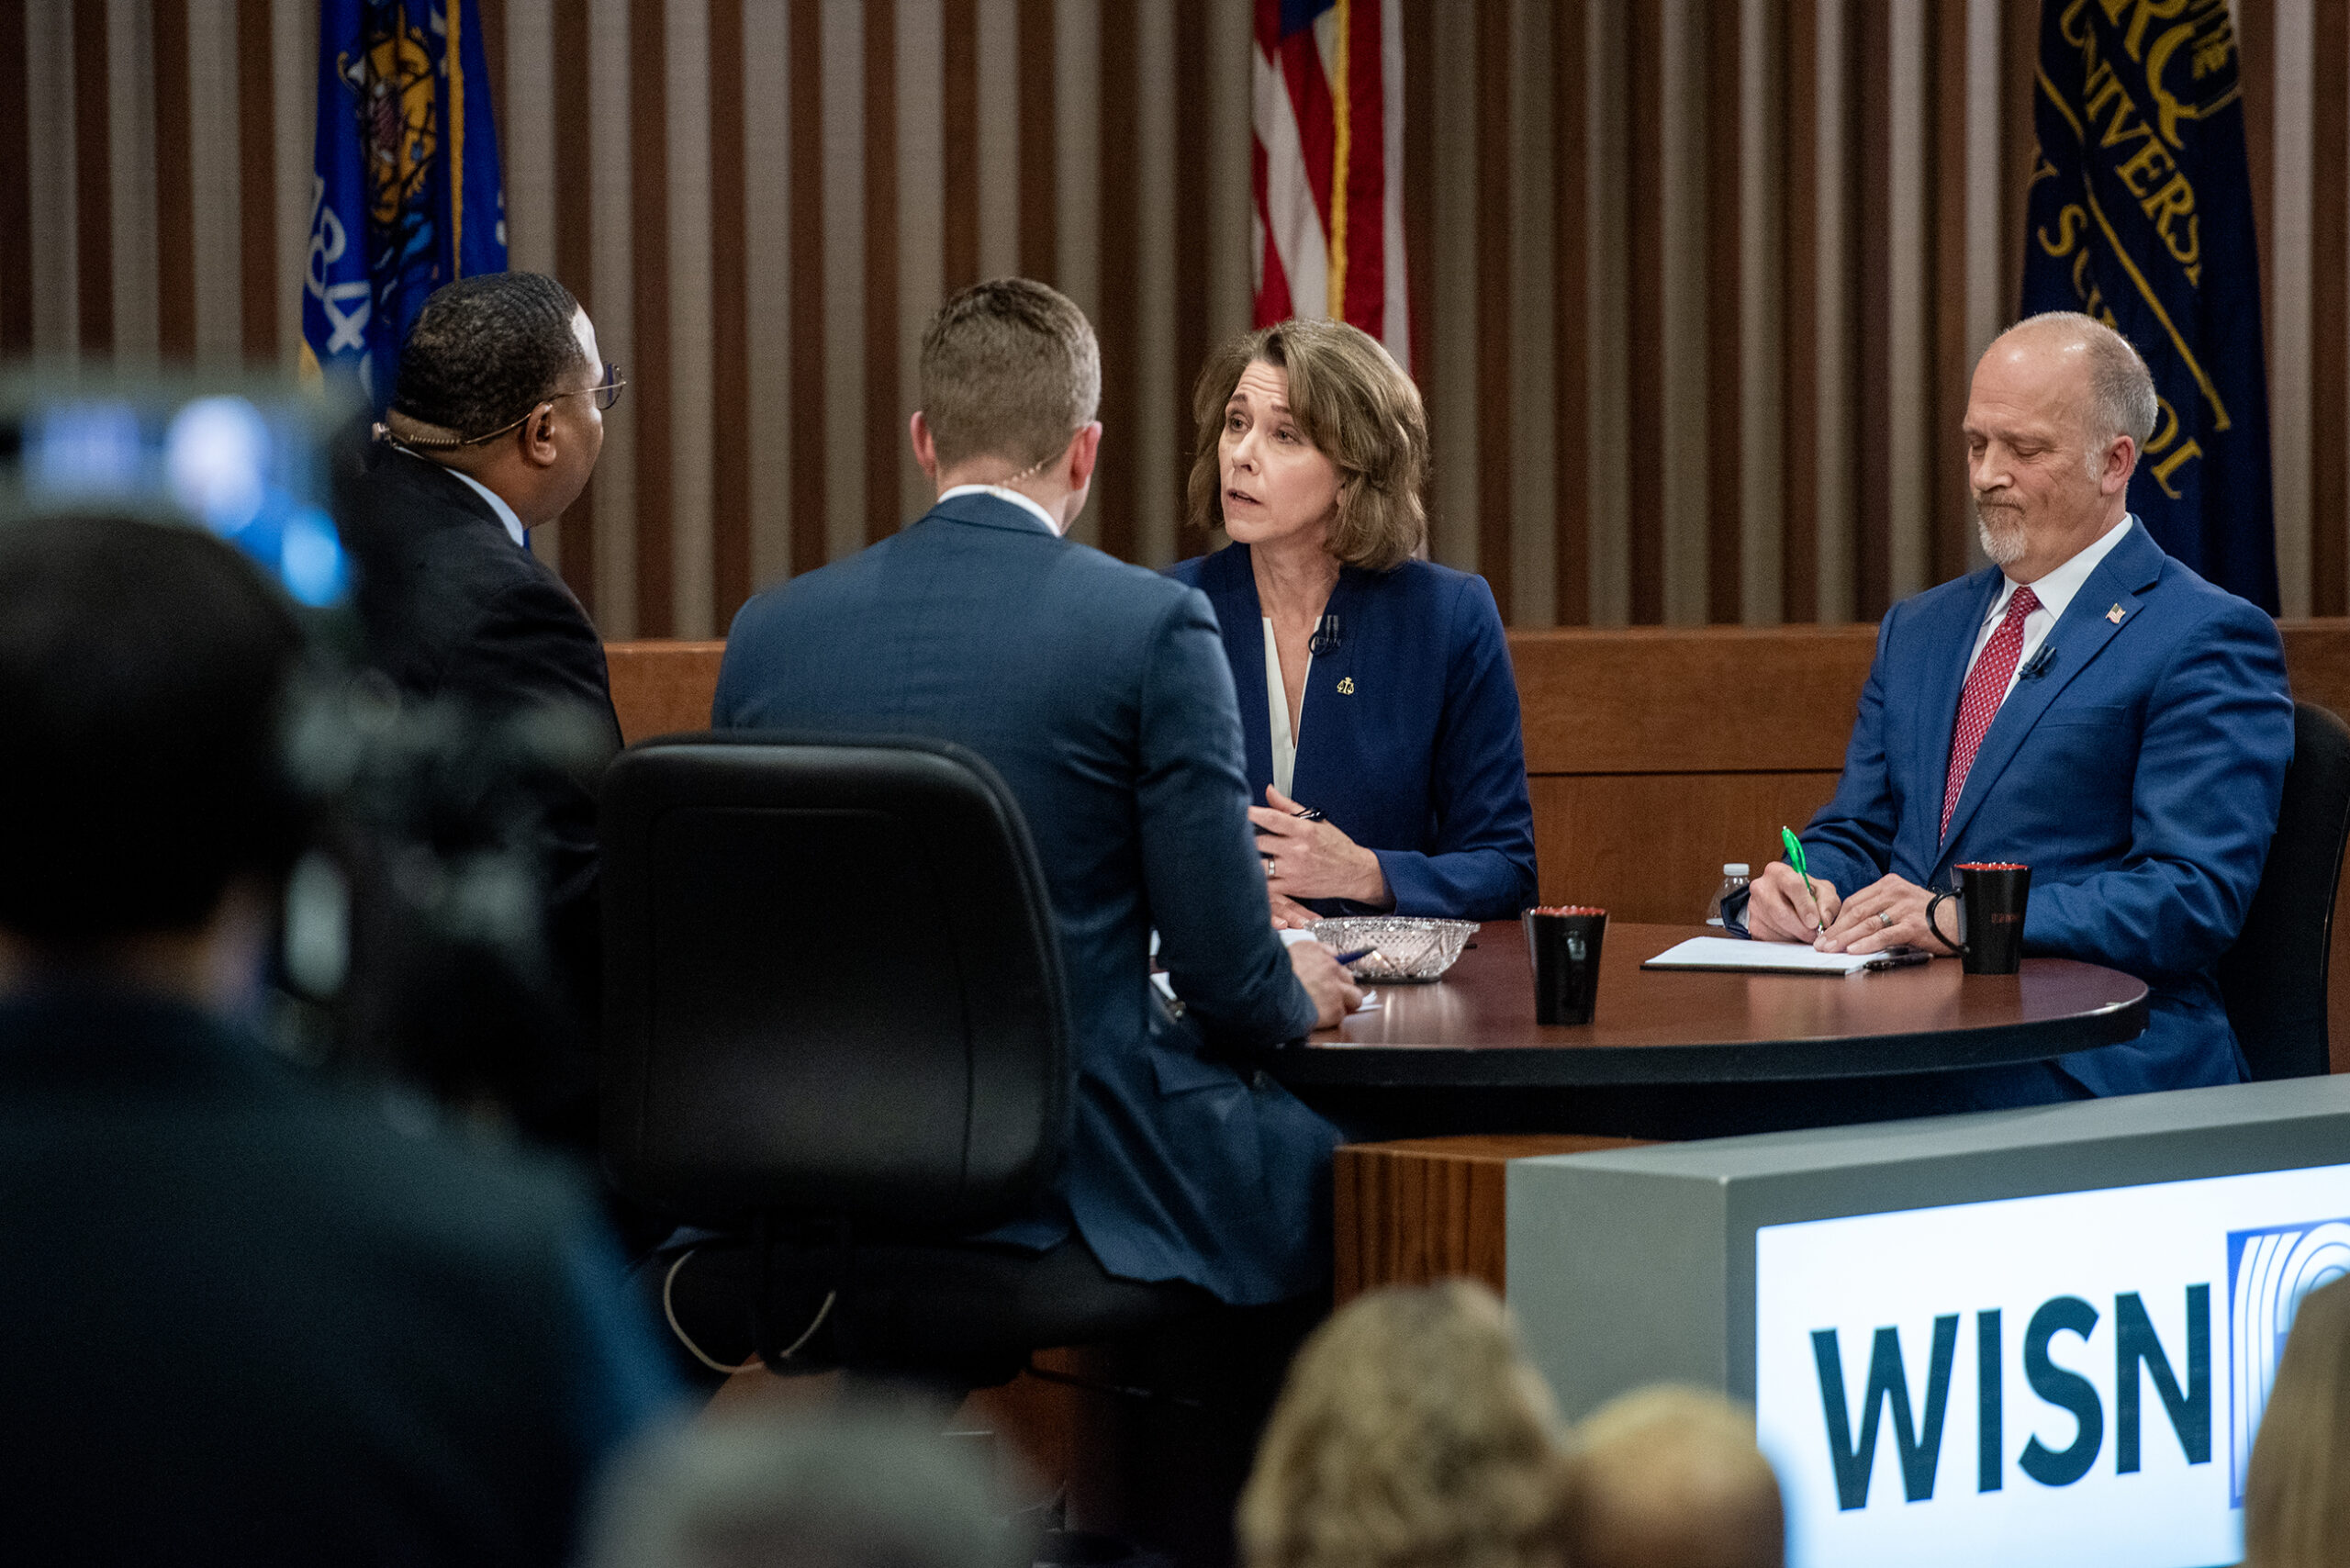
[[2020, 1337]]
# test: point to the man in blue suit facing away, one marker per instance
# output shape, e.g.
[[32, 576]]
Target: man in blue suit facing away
[[2086, 705], [1100, 692]]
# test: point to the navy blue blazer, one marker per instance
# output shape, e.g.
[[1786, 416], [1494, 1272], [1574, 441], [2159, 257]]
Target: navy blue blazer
[[1099, 691], [1408, 739], [2137, 775]]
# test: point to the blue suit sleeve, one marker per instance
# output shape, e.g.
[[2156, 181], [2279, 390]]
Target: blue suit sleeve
[[1850, 842], [2211, 760], [1200, 867], [1481, 863]]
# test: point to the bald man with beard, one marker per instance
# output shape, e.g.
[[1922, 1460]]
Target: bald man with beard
[[2085, 705]]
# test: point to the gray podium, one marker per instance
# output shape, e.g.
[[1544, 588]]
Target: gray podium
[[2018, 1338]]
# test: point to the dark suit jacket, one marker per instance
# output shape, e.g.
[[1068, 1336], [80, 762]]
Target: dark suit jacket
[[452, 609], [2138, 777], [1408, 739], [253, 1319], [1100, 692]]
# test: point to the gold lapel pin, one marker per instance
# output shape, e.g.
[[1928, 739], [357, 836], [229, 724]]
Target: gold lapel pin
[[1346, 686], [2115, 614]]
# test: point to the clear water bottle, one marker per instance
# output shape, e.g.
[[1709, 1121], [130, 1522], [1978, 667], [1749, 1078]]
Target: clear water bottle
[[1733, 881]]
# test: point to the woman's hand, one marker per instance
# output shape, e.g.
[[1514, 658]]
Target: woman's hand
[[1310, 860], [1290, 915]]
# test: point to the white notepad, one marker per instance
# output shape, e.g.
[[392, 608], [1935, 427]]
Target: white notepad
[[1760, 958]]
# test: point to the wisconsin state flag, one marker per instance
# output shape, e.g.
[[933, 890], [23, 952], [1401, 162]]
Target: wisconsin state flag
[[405, 193]]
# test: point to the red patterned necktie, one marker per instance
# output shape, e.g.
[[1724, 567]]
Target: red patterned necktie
[[1987, 687]]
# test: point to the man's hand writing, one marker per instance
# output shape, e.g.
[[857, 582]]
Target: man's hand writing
[[1333, 989], [1779, 907]]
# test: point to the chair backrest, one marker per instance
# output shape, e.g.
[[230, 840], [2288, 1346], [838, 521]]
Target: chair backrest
[[2274, 978], [831, 983]]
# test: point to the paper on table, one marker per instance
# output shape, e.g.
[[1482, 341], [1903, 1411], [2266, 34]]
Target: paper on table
[[1762, 957]]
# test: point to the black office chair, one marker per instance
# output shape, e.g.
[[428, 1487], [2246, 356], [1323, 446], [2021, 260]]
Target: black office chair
[[2274, 978], [835, 1026]]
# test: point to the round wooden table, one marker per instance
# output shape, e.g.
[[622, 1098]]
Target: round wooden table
[[1474, 1029]]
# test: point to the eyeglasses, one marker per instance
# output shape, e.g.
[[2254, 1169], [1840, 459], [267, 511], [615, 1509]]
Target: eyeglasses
[[605, 392]]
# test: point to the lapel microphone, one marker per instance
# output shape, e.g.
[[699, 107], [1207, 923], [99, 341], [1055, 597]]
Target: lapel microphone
[[2040, 663], [1325, 640]]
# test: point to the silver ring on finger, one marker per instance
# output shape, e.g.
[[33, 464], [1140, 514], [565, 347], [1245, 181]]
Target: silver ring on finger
[[1884, 918]]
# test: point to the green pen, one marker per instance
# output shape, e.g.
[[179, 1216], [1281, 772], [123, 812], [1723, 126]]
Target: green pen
[[1796, 860]]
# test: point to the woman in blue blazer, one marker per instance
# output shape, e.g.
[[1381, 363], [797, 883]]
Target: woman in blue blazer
[[1376, 698]]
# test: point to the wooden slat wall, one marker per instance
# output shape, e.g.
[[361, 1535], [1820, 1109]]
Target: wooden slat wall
[[1652, 755], [1701, 280]]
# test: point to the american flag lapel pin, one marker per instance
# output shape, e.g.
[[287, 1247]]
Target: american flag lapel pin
[[2115, 614]]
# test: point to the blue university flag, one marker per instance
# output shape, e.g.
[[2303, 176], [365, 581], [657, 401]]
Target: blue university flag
[[2141, 215], [406, 194]]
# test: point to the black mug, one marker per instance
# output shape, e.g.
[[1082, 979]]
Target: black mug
[[1995, 893], [1564, 941]]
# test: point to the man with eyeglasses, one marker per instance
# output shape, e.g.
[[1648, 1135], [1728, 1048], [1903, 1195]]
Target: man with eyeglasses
[[493, 427]]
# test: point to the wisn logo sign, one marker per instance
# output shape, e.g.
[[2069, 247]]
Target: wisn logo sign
[[2137, 1350], [2269, 1271], [2046, 1380]]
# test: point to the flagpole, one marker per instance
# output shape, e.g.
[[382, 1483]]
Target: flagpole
[[1341, 154]]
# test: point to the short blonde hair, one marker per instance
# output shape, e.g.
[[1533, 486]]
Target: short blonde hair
[[1671, 1474], [1410, 1434], [1357, 407], [2296, 1495], [1010, 369]]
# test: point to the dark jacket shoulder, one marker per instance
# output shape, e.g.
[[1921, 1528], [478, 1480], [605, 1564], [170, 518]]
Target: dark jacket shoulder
[[1090, 593], [450, 606]]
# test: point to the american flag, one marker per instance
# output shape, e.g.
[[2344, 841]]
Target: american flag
[[1329, 165]]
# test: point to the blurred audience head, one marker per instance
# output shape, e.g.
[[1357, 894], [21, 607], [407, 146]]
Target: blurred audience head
[[1669, 1477], [2296, 1493], [500, 378], [142, 673], [839, 1490], [1010, 383], [1357, 407], [1410, 1433]]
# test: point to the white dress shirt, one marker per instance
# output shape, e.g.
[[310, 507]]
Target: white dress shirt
[[1277, 705], [496, 504], [2056, 590], [1003, 493]]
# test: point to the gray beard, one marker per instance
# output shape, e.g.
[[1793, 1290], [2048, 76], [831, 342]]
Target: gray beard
[[2004, 548]]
